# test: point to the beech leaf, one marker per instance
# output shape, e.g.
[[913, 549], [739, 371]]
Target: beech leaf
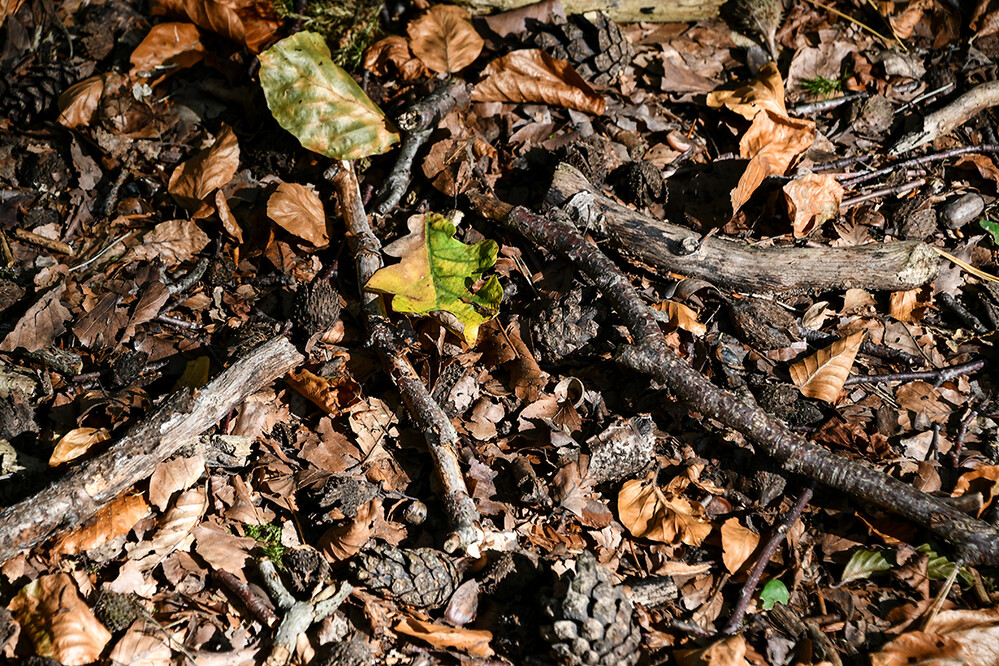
[[317, 101], [728, 651], [444, 39], [738, 543], [765, 91], [811, 200], [822, 375], [173, 241], [167, 48], [949, 637], [471, 641], [75, 443], [79, 103], [646, 511], [192, 181], [862, 564], [531, 75], [436, 274], [680, 316], [249, 22], [771, 144], [112, 521], [298, 210]]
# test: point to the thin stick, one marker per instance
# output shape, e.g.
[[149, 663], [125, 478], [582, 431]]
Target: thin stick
[[938, 376], [854, 180], [41, 241], [883, 192]]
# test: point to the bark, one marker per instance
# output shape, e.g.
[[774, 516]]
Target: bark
[[622, 11], [76, 497], [977, 540], [737, 266], [950, 117]]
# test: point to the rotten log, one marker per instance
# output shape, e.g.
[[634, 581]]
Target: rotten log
[[737, 266], [73, 499], [976, 540]]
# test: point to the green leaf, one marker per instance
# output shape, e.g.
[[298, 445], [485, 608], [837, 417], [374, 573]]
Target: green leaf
[[862, 564], [940, 568], [319, 102], [774, 592], [992, 228], [436, 274]]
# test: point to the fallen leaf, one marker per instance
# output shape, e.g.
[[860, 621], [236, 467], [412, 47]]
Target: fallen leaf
[[680, 316], [950, 637], [811, 200], [822, 375], [471, 641], [60, 624], [436, 275], [173, 241], [75, 443], [194, 180], [531, 75], [863, 563], [771, 143], [738, 543], [39, 326], [166, 49], [79, 103], [112, 521], [909, 306], [730, 651], [394, 50], [249, 22], [173, 476], [923, 398], [100, 327], [984, 481], [298, 210], [647, 512], [222, 549], [176, 529], [444, 39], [764, 93], [325, 394], [343, 542], [320, 103], [144, 644]]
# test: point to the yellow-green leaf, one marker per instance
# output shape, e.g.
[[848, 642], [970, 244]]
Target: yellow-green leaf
[[319, 102], [436, 275]]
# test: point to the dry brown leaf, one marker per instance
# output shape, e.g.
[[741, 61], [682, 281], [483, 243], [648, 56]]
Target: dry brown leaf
[[738, 543], [908, 306], [249, 22], [329, 395], [531, 75], [8, 8], [172, 476], [444, 39], [194, 180], [822, 375], [154, 297], [298, 210], [647, 512], [764, 92], [110, 522], [344, 542], [222, 549], [167, 48], [984, 481], [771, 144], [173, 241], [680, 316], [471, 641], [394, 51], [951, 637], [79, 103], [144, 644], [75, 443], [60, 624], [40, 325], [229, 222], [923, 398], [176, 528], [729, 651], [811, 200]]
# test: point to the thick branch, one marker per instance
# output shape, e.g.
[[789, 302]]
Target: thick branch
[[978, 540], [70, 501], [442, 439], [737, 266]]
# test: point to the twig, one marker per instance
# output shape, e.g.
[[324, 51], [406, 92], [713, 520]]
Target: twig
[[938, 376], [442, 439], [70, 501], [883, 192], [962, 433], [41, 241], [824, 105], [950, 117], [453, 93], [650, 355], [102, 252], [251, 600], [840, 164], [853, 180], [397, 182], [970, 320], [775, 540]]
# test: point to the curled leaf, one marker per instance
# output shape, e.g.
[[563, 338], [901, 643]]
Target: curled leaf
[[79, 103], [811, 200], [471, 641], [531, 75], [680, 316], [298, 210], [647, 512], [444, 39], [862, 564], [764, 92], [75, 443], [823, 374], [249, 22], [771, 144], [167, 48], [192, 181]]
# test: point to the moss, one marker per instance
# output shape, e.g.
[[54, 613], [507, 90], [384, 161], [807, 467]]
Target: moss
[[350, 26]]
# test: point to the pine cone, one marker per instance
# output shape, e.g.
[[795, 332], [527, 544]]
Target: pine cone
[[316, 307], [591, 42], [306, 568], [591, 619], [420, 577], [756, 18], [32, 93]]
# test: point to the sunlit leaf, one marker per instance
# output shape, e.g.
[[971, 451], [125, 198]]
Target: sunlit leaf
[[680, 316], [112, 521], [647, 512], [862, 564], [76, 443], [79, 103], [823, 374], [811, 200], [249, 22], [298, 210], [774, 592], [738, 543], [941, 568], [765, 91], [167, 48], [436, 275], [992, 228], [209, 169], [319, 102], [771, 143], [471, 641], [949, 637], [531, 75], [444, 39]]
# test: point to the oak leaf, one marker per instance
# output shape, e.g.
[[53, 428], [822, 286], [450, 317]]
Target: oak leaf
[[822, 375], [444, 39], [76, 443], [647, 512], [531, 75], [436, 275], [471, 641], [298, 210], [78, 103]]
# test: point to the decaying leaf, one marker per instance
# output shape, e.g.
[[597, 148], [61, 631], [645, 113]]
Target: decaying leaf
[[647, 512], [950, 637], [79, 103], [531, 75], [822, 375], [436, 275], [173, 242], [764, 92], [175, 530], [298, 210], [811, 200], [60, 624], [394, 50], [249, 22], [730, 651], [771, 143], [680, 316], [110, 522], [321, 104], [471, 641], [444, 39], [194, 180], [984, 481], [40, 325], [738, 543], [75, 443]]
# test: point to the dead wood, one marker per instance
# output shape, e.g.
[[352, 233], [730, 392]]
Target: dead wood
[[950, 117], [977, 541], [73, 499], [622, 11], [737, 266]]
